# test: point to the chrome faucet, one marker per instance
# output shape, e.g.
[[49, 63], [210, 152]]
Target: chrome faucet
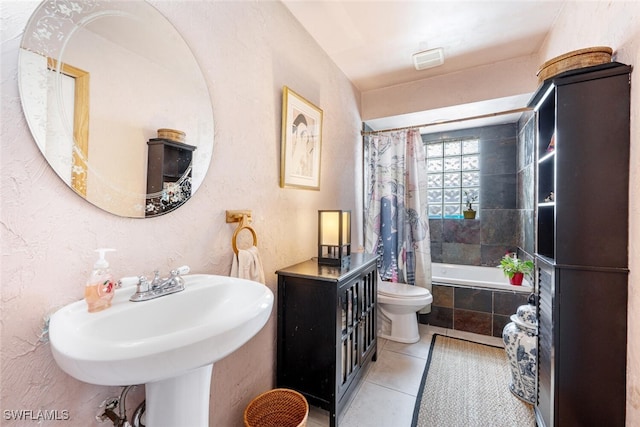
[[159, 286]]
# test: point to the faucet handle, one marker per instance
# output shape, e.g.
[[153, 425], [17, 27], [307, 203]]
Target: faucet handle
[[127, 281], [143, 289], [180, 270], [143, 284], [156, 277]]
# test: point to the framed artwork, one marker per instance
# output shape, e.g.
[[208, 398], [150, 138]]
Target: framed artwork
[[301, 142]]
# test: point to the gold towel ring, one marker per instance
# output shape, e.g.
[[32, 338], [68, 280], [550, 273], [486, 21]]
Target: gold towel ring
[[244, 224]]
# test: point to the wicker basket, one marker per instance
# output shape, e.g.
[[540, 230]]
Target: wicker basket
[[172, 134], [277, 408], [573, 60]]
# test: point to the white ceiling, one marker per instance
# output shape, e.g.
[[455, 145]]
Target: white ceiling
[[372, 41]]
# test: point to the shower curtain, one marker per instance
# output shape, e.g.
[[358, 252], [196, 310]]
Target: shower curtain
[[396, 218]]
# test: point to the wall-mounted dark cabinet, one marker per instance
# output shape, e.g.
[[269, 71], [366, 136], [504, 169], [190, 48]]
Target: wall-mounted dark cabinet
[[168, 175], [581, 245], [326, 329]]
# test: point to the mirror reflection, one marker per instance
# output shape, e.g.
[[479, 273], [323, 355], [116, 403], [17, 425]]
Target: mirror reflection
[[117, 104]]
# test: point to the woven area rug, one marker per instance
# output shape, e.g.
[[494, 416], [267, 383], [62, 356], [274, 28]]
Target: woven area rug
[[467, 384]]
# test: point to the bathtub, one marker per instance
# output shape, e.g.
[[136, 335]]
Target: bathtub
[[472, 276], [473, 299]]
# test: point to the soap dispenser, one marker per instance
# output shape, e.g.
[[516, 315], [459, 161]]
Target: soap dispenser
[[100, 287]]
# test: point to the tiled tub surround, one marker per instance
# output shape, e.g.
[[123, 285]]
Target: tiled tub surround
[[481, 311], [504, 223], [473, 299], [498, 227]]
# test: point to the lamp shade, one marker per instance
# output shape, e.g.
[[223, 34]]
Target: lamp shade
[[334, 237]]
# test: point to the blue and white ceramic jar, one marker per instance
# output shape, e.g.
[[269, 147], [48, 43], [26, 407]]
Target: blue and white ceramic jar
[[520, 343]]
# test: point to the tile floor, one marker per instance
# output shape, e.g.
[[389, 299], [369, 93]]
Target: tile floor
[[387, 394]]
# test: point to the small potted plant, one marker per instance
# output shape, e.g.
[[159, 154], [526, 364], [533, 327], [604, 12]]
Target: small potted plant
[[515, 268], [469, 213]]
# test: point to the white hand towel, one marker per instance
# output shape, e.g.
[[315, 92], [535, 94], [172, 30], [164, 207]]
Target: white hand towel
[[247, 265]]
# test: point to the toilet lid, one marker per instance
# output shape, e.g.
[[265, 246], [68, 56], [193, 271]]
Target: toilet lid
[[400, 290]]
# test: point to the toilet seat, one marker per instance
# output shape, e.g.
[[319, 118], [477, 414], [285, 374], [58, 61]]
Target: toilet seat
[[401, 290]]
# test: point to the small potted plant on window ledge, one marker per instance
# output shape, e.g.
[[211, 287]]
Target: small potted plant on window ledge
[[515, 268], [469, 213]]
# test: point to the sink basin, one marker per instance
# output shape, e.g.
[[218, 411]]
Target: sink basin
[[169, 343]]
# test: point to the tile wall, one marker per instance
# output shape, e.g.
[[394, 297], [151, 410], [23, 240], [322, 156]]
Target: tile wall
[[497, 229], [481, 311], [526, 184]]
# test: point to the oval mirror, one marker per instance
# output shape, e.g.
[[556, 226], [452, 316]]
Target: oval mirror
[[117, 104]]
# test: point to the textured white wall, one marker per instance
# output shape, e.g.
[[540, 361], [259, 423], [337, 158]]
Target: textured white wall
[[248, 51], [615, 24], [502, 79]]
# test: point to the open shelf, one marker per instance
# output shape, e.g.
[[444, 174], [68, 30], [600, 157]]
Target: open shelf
[[546, 176]]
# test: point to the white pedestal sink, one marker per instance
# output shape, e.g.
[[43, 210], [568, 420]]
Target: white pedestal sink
[[188, 393], [169, 343]]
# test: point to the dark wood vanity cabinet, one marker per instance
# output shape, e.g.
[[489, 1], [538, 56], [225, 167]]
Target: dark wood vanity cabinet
[[581, 246], [327, 329]]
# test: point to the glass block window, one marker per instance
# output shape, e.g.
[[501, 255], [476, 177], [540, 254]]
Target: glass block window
[[453, 168]]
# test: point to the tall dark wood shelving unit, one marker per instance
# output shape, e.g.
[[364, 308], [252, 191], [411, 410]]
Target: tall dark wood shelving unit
[[327, 329], [168, 161], [582, 245]]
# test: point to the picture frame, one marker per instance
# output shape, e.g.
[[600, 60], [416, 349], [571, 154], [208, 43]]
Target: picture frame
[[301, 144]]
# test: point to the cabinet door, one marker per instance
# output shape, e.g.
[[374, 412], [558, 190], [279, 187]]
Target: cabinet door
[[591, 350], [350, 297], [307, 337], [544, 407], [368, 320], [592, 179]]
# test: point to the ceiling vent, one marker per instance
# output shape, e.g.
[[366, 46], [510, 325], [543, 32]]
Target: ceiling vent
[[428, 58]]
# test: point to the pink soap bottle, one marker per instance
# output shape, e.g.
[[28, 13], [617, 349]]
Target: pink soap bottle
[[100, 287]]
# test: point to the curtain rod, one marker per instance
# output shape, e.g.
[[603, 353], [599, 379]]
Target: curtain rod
[[464, 119]]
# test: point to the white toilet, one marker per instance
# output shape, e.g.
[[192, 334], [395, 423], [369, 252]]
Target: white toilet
[[398, 304]]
